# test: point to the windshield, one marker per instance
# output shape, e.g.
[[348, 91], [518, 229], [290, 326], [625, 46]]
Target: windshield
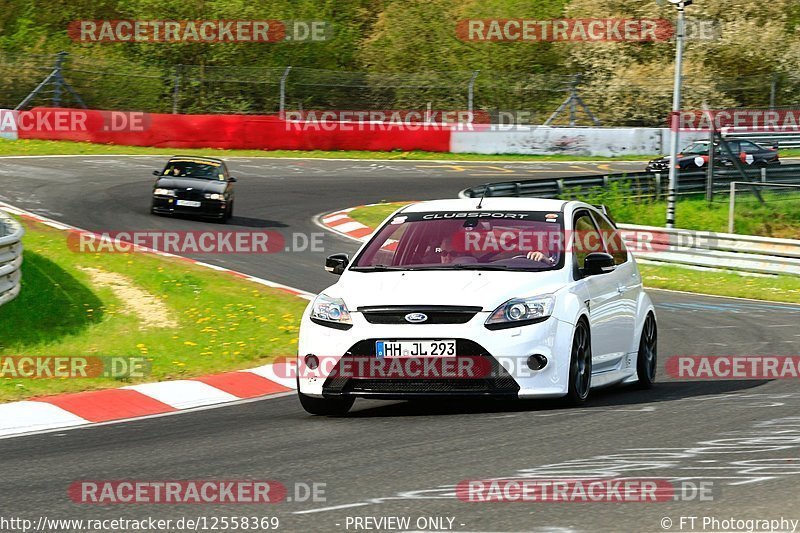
[[208, 170], [696, 149], [496, 240]]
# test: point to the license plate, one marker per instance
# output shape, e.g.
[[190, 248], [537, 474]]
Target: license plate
[[188, 203], [421, 348]]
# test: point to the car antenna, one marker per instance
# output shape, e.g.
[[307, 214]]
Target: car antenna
[[485, 188]]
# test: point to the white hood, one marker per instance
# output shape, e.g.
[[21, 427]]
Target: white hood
[[487, 289]]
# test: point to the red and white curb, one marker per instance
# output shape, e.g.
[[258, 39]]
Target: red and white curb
[[147, 399], [341, 223]]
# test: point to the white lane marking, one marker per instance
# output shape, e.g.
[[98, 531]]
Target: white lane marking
[[333, 508], [183, 394], [27, 416]]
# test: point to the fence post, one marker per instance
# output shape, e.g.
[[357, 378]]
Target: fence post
[[763, 174], [58, 78], [773, 90], [710, 170], [658, 185], [176, 89], [731, 207], [471, 94], [282, 105]]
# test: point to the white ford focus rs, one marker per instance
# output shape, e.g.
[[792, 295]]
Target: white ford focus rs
[[506, 297]]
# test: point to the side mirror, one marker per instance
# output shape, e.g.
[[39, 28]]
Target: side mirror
[[232, 179], [336, 263], [598, 263], [156, 173]]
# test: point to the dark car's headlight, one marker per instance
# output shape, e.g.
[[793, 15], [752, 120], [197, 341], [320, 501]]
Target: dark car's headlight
[[521, 311], [163, 192], [214, 196], [331, 312]]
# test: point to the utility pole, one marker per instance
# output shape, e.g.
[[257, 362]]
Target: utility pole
[[676, 107]]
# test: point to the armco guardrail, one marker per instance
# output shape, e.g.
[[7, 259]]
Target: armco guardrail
[[784, 139], [10, 257], [633, 183], [744, 253]]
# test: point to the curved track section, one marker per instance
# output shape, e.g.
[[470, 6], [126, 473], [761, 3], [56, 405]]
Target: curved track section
[[400, 459]]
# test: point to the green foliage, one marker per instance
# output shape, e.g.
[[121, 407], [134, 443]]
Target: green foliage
[[411, 55]]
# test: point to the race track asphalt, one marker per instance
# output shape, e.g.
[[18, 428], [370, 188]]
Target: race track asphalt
[[395, 459]]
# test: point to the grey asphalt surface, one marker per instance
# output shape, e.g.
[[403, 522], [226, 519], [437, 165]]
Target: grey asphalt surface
[[395, 459]]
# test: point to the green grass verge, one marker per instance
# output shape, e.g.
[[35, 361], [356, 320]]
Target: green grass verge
[[34, 147], [778, 217], [223, 323], [373, 215], [773, 288]]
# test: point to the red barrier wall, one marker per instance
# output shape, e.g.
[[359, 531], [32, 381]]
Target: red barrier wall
[[260, 132]]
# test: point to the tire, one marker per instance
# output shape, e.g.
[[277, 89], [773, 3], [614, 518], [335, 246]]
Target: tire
[[229, 212], [580, 365], [325, 406], [647, 358]]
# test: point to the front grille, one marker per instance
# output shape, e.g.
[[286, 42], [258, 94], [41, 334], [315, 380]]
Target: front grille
[[437, 314], [499, 381], [194, 194], [418, 386]]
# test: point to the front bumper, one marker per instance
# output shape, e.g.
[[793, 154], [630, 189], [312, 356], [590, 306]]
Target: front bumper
[[506, 352], [167, 205]]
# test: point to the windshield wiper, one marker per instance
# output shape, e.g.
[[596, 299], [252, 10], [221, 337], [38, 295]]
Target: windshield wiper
[[379, 268]]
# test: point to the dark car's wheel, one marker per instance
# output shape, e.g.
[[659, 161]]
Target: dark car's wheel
[[229, 211], [647, 358], [580, 366], [325, 406]]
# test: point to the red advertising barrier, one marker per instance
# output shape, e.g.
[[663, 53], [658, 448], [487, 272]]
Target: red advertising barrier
[[260, 132]]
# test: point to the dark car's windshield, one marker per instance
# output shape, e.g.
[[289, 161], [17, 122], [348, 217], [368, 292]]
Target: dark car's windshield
[[696, 149], [186, 168], [496, 240]]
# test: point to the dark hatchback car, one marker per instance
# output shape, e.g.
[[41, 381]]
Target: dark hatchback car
[[695, 156], [199, 186]]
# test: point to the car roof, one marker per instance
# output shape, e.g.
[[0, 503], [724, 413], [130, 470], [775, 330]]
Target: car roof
[[195, 158], [488, 204]]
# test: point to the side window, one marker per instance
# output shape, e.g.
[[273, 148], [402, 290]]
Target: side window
[[585, 237], [733, 145], [614, 242], [749, 148]]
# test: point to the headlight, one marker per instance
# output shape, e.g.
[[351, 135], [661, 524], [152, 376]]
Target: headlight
[[164, 192], [520, 312], [331, 312], [214, 196]]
